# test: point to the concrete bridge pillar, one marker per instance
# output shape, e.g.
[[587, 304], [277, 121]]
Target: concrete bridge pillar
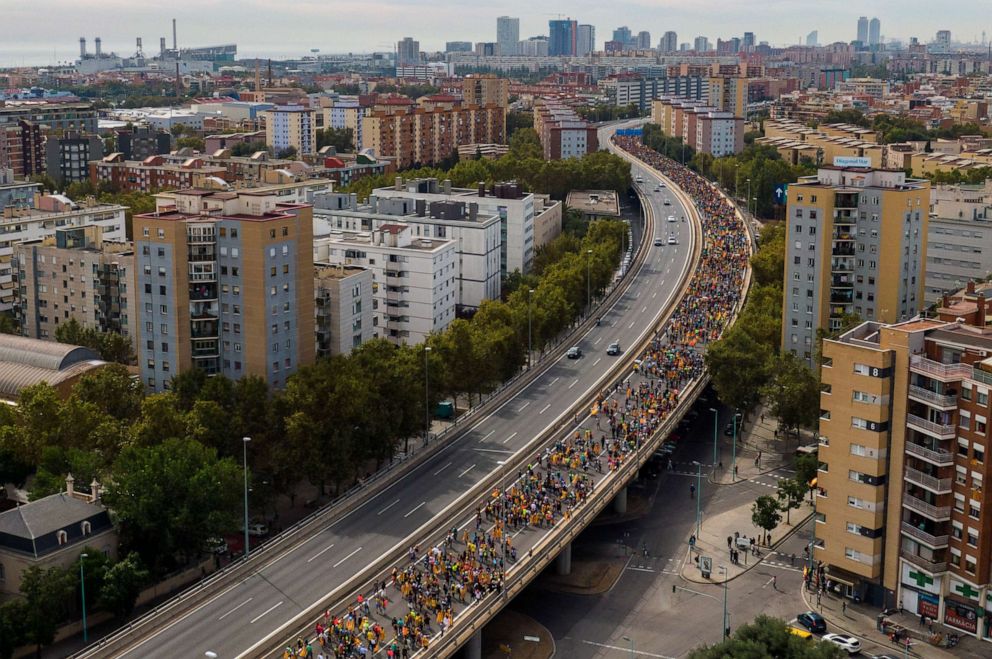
[[620, 502], [473, 649], [563, 565]]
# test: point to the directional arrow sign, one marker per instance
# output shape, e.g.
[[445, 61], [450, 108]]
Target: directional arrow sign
[[780, 191]]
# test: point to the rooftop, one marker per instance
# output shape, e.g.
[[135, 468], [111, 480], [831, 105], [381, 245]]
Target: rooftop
[[594, 202], [25, 362]]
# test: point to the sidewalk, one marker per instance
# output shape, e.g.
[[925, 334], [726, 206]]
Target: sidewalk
[[860, 620], [758, 436]]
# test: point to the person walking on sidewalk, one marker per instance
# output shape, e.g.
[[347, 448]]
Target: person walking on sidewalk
[[843, 607]]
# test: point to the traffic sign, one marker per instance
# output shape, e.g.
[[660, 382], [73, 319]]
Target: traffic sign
[[781, 190]]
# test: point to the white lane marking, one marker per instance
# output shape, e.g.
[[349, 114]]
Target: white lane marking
[[596, 342], [235, 609], [488, 434], [498, 450], [523, 407], [319, 553], [645, 308], [655, 294], [415, 509], [388, 507], [347, 557], [631, 324], [597, 361], [555, 380], [466, 471], [640, 569], [268, 610], [627, 649], [510, 437], [441, 469], [545, 408], [574, 382]]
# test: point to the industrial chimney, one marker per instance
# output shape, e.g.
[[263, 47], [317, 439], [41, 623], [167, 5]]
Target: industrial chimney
[[97, 42], [138, 42], [174, 46], [161, 47], [82, 47]]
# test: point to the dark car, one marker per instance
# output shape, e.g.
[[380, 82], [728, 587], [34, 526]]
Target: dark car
[[574, 352], [613, 349], [812, 621]]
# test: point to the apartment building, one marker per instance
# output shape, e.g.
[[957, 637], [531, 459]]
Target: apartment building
[[342, 308], [291, 193], [486, 89], [856, 245], [224, 283], [626, 90], [562, 132], [477, 236], [152, 174], [428, 134], [141, 143], [702, 127], [14, 192], [291, 126], [74, 275], [58, 118], [958, 248], [904, 431], [414, 280], [20, 225], [518, 212], [67, 158]]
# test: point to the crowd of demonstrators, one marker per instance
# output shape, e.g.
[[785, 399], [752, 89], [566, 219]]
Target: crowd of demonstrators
[[420, 600]]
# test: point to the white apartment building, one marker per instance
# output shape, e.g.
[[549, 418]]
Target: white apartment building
[[477, 236], [346, 112], [959, 239], [20, 225], [514, 207], [414, 280], [342, 308]]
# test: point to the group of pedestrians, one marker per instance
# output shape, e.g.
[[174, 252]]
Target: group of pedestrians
[[471, 562]]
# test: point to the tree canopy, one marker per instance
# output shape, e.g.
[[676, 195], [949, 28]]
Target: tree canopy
[[767, 637]]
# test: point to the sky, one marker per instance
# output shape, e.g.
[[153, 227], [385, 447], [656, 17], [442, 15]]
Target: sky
[[30, 35]]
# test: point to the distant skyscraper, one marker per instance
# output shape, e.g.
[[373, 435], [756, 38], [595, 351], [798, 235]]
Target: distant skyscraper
[[813, 38], [624, 36], [408, 52], [669, 43], [586, 40], [874, 32], [507, 34], [747, 44], [942, 44], [458, 47], [643, 40], [701, 45], [863, 29], [562, 37]]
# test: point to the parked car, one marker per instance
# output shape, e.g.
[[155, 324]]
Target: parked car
[[574, 352], [613, 348], [257, 529], [847, 643], [812, 621]]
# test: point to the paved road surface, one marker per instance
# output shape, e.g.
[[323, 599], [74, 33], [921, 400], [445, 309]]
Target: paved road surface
[[244, 616]]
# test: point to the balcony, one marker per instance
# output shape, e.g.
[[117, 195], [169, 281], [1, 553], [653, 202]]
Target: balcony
[[932, 398], [940, 457], [936, 513], [924, 563], [935, 485], [842, 249], [979, 375], [935, 541], [943, 372], [841, 297], [938, 430], [845, 265]]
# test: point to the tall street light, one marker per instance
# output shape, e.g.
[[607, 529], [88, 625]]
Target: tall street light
[[427, 396], [530, 338], [748, 200], [244, 446], [699, 495], [737, 181], [716, 426], [726, 626], [588, 281], [631, 641], [82, 589], [733, 466]]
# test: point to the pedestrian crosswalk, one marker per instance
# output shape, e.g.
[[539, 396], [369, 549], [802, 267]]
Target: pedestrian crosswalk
[[653, 564]]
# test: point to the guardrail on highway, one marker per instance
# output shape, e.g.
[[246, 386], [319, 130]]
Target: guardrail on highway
[[196, 594]]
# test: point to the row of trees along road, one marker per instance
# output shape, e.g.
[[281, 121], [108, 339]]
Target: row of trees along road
[[171, 461]]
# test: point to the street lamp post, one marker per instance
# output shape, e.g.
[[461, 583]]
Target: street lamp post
[[699, 495], [588, 281], [427, 396], [737, 181], [733, 466], [631, 641], [716, 425], [726, 627], [82, 589], [530, 344], [754, 212], [244, 447], [748, 200]]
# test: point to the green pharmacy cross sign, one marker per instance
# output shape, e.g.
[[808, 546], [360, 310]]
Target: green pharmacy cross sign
[[922, 580], [966, 590]]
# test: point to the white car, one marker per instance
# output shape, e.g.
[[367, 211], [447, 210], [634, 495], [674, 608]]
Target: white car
[[671, 218], [668, 202], [672, 240], [257, 529], [849, 644]]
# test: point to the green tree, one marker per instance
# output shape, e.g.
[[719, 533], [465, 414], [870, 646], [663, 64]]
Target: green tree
[[342, 139], [768, 262], [767, 637], [790, 494], [13, 613], [111, 347], [169, 498], [122, 583], [191, 142], [765, 513], [288, 152], [738, 366], [47, 594], [807, 465], [793, 392]]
